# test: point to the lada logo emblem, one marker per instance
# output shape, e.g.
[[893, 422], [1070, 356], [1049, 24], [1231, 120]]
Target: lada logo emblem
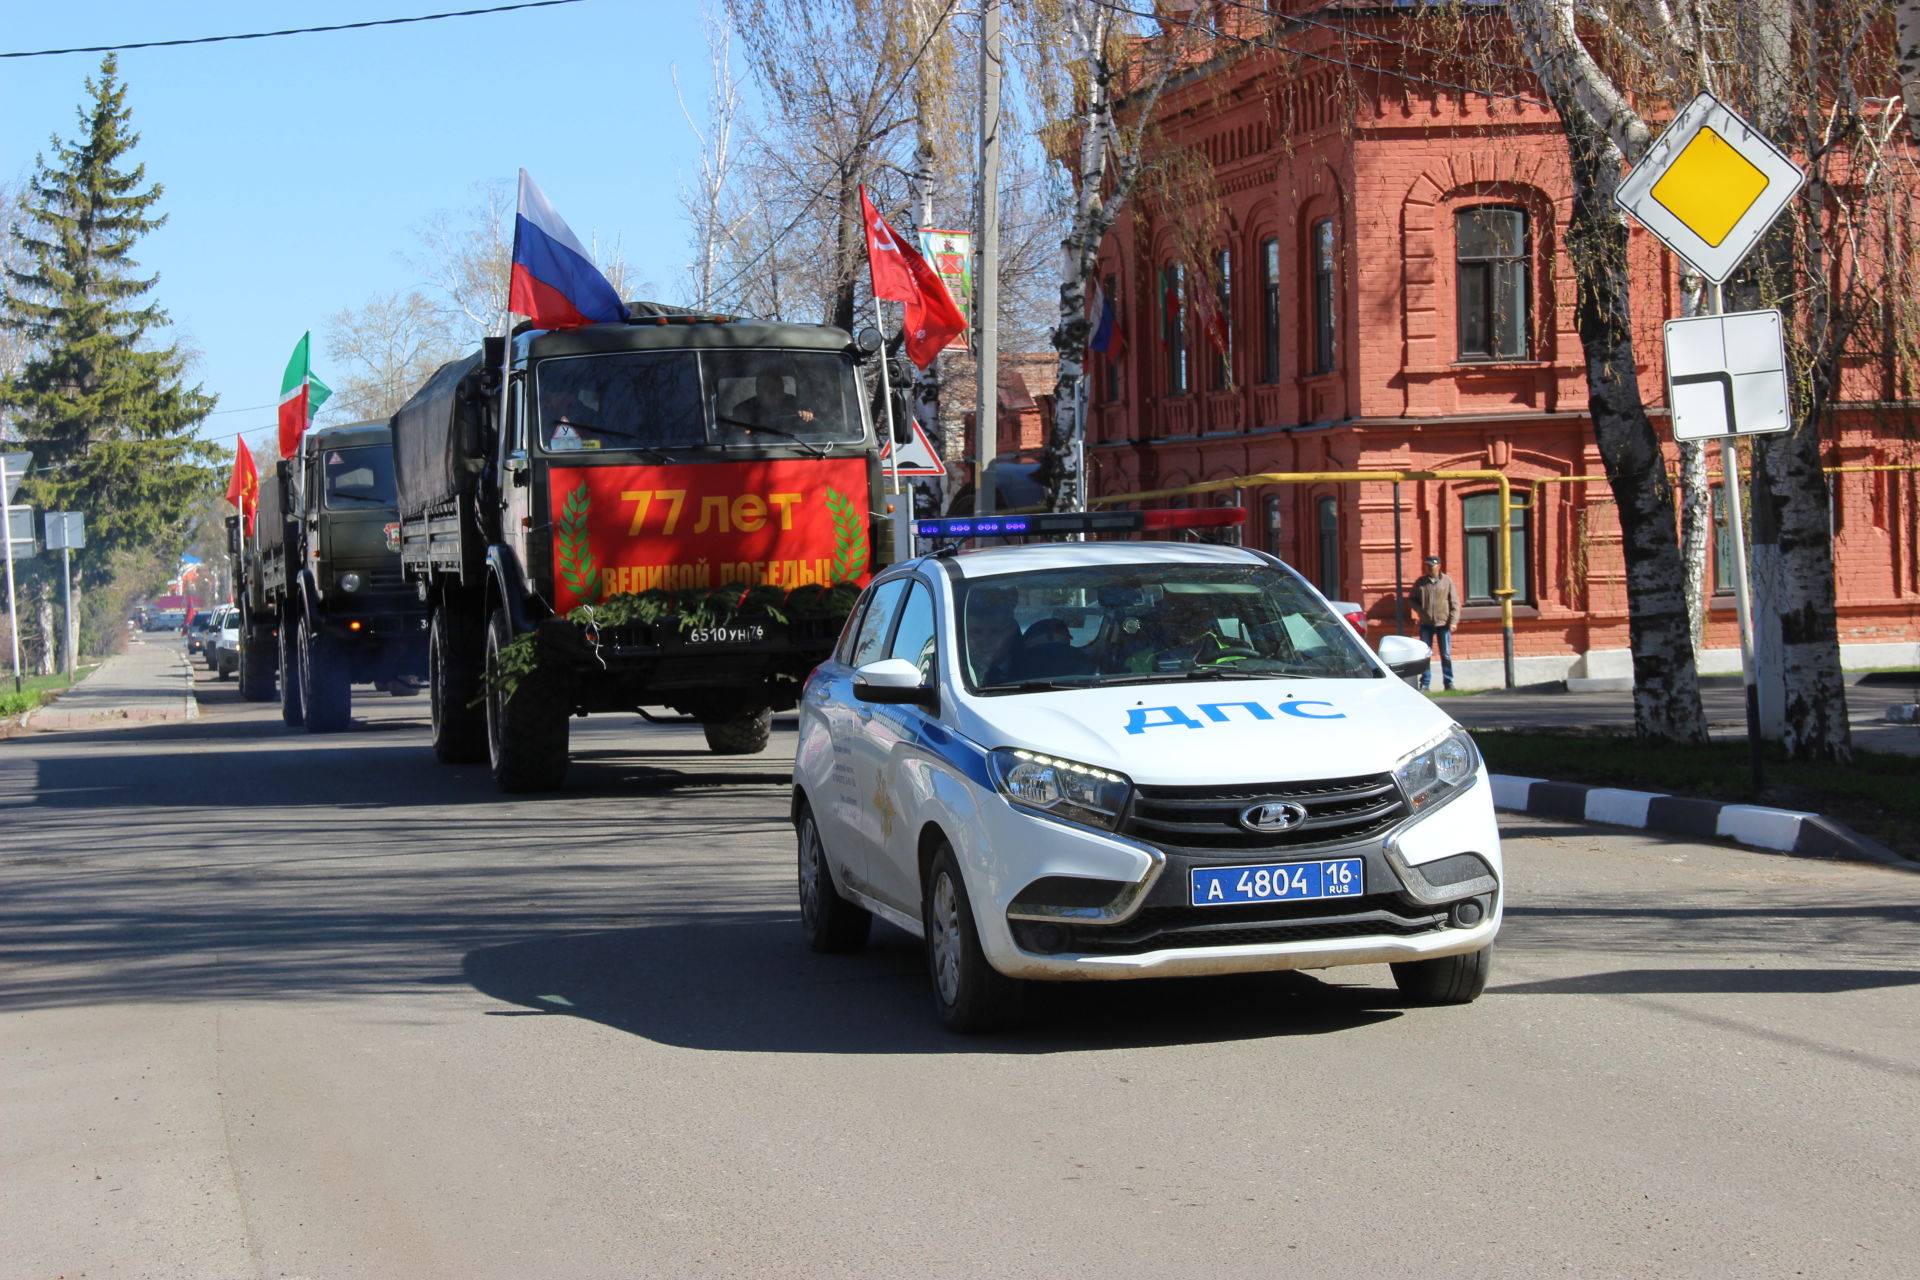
[[1273, 817]]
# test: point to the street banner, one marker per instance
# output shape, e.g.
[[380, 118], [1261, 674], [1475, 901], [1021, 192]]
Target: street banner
[[951, 253]]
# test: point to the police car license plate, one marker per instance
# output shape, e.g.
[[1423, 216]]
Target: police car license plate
[[1278, 882]]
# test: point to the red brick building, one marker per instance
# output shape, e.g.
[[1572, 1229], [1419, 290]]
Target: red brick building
[[1392, 270]]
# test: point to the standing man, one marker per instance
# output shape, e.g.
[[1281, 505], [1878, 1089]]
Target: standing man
[[1436, 603]]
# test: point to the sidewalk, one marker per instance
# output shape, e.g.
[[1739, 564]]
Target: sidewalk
[[149, 681], [1552, 707]]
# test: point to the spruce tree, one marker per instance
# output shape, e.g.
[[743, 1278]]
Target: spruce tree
[[100, 400]]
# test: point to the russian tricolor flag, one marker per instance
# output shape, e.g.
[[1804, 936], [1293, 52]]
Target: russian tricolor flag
[[555, 284], [1106, 337]]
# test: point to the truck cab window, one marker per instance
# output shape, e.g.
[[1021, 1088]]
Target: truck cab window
[[361, 477]]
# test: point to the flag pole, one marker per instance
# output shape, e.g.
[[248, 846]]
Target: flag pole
[[6, 534], [902, 520]]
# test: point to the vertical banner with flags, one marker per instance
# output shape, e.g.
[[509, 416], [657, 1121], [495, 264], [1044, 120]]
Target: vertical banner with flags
[[243, 489], [554, 283], [301, 395], [902, 275], [951, 253]]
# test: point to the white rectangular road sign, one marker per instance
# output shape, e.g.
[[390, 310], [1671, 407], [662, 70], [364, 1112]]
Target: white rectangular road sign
[[1727, 375], [65, 530], [1710, 186], [20, 523]]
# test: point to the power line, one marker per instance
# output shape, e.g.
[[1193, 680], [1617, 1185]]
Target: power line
[[291, 31]]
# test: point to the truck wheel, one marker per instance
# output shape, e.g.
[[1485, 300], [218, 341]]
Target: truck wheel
[[744, 735], [256, 675], [459, 727], [292, 708], [325, 699], [527, 730]]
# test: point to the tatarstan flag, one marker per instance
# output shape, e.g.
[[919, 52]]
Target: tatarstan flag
[[301, 395], [243, 489]]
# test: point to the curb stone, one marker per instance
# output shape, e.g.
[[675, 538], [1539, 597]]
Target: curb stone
[[1780, 830]]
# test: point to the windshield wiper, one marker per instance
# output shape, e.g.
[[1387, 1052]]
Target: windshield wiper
[[813, 447]]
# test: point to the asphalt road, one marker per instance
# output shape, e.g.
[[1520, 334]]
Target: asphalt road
[[279, 1005]]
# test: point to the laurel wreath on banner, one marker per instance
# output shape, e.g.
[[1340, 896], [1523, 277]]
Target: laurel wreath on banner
[[850, 538], [576, 555]]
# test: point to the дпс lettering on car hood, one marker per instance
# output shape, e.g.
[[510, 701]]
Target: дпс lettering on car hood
[[1201, 731]]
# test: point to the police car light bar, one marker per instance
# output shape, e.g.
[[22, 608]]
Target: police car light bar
[[1054, 523]]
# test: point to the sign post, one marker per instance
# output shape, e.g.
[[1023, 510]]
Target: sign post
[[67, 533], [1709, 187], [12, 467]]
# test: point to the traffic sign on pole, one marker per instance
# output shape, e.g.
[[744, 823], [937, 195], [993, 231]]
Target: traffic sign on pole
[[20, 540], [14, 467], [1710, 186], [1727, 375], [917, 457], [65, 530]]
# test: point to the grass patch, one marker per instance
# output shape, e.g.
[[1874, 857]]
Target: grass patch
[[1878, 794], [35, 690]]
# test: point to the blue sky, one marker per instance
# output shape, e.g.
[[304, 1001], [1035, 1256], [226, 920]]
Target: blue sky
[[297, 169]]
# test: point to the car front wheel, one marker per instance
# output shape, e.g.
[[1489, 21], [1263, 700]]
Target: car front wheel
[[1445, 980], [969, 994]]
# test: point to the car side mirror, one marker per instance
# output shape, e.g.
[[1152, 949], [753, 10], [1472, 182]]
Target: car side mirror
[[893, 680], [1405, 656]]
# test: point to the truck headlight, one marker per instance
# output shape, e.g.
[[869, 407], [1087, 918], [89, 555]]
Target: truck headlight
[[1438, 769], [1060, 788], [349, 582]]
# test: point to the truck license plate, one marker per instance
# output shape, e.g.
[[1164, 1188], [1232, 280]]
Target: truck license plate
[[1278, 882], [736, 633]]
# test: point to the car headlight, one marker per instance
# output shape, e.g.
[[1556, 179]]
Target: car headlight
[[349, 582], [1438, 769], [1060, 788]]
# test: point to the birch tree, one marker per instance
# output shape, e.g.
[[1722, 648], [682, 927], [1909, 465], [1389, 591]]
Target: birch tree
[[714, 225], [1105, 76]]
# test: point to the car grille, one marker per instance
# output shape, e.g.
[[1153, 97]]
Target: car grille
[[1203, 819], [1166, 928]]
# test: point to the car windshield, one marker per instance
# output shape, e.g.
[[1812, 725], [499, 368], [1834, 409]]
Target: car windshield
[[648, 401], [359, 478], [1147, 623]]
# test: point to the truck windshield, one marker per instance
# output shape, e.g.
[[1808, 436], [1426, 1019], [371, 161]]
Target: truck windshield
[[359, 478], [649, 401], [1147, 623]]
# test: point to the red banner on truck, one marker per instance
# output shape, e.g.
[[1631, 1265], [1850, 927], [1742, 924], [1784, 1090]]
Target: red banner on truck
[[785, 523]]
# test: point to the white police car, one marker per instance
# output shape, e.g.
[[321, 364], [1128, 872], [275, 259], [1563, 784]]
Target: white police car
[[1123, 760]]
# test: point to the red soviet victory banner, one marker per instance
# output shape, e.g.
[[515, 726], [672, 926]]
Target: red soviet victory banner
[[901, 274], [786, 523]]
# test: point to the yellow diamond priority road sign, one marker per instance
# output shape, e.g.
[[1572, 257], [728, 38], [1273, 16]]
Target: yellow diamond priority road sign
[[1710, 186]]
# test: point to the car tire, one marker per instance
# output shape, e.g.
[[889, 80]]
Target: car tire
[[832, 924], [292, 706], [526, 732], [224, 671], [969, 994], [744, 735], [1445, 979], [326, 701], [453, 688]]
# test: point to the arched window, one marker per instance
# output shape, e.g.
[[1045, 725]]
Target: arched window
[[1490, 263], [1325, 321], [1329, 547], [1270, 310], [1115, 350], [1173, 325], [1272, 508], [1223, 304], [1480, 521]]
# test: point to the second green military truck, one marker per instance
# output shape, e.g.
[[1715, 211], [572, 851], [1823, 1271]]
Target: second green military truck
[[323, 604]]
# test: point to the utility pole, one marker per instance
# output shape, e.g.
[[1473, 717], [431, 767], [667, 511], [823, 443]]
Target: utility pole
[[6, 548], [987, 290]]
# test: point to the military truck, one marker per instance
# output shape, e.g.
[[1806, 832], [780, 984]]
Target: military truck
[[322, 601], [673, 512]]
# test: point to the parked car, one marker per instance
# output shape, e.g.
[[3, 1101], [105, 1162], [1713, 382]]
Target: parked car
[[166, 619], [223, 648], [194, 635]]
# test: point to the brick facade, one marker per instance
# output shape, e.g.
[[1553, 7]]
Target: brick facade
[[1291, 145]]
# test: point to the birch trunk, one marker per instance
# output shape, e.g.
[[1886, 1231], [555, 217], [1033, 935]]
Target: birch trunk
[[930, 491], [1666, 689], [1697, 528]]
